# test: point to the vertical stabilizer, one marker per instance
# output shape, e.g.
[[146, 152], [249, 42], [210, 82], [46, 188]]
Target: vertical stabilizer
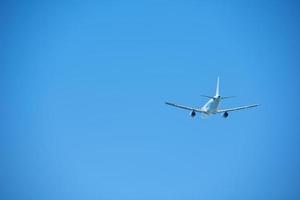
[[217, 89]]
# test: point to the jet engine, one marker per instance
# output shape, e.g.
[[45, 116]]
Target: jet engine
[[192, 113], [225, 114]]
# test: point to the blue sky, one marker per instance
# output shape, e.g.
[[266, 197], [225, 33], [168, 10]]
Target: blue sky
[[83, 86]]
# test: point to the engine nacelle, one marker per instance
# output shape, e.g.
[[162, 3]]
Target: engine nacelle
[[192, 113], [225, 114]]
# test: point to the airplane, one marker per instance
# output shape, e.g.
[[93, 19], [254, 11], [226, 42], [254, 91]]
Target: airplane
[[212, 106]]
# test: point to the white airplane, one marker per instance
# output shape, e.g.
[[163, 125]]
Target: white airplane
[[212, 106]]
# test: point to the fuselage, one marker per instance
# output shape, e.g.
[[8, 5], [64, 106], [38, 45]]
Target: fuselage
[[212, 105]]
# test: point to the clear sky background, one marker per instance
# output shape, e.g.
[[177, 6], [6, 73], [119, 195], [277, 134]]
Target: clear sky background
[[83, 86]]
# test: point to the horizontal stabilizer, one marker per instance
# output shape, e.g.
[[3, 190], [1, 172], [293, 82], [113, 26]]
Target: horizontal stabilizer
[[228, 97], [210, 97]]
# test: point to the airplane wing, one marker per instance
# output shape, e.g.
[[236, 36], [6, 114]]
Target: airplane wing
[[237, 108], [185, 107]]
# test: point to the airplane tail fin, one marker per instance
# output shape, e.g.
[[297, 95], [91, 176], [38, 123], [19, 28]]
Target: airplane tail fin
[[217, 89]]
